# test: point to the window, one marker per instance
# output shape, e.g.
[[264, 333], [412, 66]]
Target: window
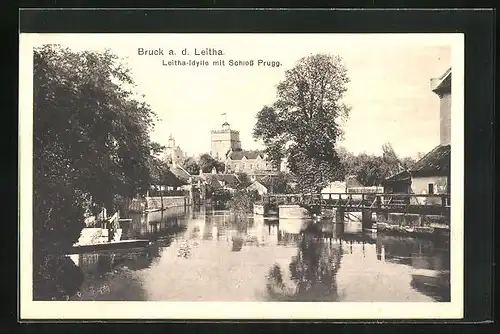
[[431, 188]]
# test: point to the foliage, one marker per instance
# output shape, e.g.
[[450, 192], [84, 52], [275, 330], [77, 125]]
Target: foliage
[[241, 202], [279, 184], [191, 166], [371, 170], [91, 143], [244, 180], [304, 123], [207, 163]]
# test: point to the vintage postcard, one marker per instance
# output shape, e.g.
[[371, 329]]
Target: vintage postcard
[[241, 176]]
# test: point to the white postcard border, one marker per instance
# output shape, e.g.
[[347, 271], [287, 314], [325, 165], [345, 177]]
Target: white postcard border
[[55, 310]]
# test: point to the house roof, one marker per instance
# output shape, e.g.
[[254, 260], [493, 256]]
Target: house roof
[[213, 181], [230, 180], [442, 82], [436, 162], [180, 173], [170, 179], [403, 176], [250, 155], [256, 184]]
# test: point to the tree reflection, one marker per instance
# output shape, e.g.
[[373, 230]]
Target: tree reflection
[[313, 271], [61, 286]]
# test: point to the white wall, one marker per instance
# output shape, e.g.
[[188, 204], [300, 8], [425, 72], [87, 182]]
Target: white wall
[[445, 119], [420, 185]]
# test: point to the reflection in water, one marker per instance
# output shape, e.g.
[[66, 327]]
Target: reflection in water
[[312, 271], [211, 255]]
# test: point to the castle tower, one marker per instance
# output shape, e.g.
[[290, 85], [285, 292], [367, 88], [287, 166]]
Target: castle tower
[[224, 140], [172, 152], [442, 87], [171, 141]]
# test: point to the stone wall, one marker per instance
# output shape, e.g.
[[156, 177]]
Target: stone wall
[[293, 212], [168, 202], [399, 222]]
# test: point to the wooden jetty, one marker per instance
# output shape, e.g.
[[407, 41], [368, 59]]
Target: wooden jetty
[[107, 237], [109, 246]]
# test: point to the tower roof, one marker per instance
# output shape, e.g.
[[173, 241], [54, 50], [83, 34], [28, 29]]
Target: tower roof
[[442, 82]]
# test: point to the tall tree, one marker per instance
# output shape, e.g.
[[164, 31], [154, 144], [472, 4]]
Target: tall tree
[[91, 143], [244, 180], [191, 166], [207, 163], [305, 121], [371, 170], [390, 159]]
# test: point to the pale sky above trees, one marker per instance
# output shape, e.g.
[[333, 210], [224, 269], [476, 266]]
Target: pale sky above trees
[[389, 90]]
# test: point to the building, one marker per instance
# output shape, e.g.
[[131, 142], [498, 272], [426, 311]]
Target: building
[[182, 175], [249, 162], [257, 186], [215, 180], [442, 87], [224, 140], [431, 174], [173, 152]]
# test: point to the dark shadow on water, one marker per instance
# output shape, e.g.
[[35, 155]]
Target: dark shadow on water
[[437, 287], [60, 278], [313, 271]]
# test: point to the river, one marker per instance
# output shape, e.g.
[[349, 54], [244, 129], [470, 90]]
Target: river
[[201, 254]]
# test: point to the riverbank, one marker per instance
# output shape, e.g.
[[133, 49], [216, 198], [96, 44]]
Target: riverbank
[[159, 203]]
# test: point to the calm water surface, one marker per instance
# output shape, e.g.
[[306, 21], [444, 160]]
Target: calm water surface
[[201, 254]]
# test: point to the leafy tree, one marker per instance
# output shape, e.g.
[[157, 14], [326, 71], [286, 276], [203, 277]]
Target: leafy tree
[[207, 163], [191, 166], [241, 202], [244, 180], [407, 163], [279, 184], [390, 159], [91, 143], [371, 170], [304, 123]]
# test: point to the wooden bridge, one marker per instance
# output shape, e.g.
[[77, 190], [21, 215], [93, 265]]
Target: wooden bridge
[[434, 204]]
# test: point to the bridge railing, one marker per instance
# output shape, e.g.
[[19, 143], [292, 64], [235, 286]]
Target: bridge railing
[[373, 200]]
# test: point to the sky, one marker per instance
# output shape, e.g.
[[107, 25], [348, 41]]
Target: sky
[[389, 90]]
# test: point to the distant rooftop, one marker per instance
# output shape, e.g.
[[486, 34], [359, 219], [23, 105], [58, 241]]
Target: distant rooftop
[[250, 155], [436, 161]]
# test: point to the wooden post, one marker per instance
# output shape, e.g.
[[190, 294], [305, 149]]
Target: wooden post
[[339, 216], [366, 221]]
